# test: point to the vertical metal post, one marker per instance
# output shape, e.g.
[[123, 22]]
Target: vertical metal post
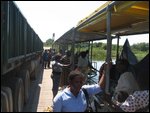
[[25, 38], [109, 41], [117, 55], [72, 54], [91, 51]]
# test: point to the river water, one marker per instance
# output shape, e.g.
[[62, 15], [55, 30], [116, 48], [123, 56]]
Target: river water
[[97, 65]]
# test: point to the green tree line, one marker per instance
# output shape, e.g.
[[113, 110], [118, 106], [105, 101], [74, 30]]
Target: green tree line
[[99, 49], [48, 43]]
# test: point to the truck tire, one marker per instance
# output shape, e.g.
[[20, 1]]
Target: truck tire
[[16, 84], [24, 74], [32, 66], [32, 70], [18, 95], [36, 68], [4, 102], [8, 92], [35, 63]]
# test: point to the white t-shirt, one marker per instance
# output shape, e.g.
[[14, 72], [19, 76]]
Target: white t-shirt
[[127, 83], [82, 62]]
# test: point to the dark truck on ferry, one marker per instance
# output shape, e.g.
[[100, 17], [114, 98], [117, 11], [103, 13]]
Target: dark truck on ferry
[[21, 49]]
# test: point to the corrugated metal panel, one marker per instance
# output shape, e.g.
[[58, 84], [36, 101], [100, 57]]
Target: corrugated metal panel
[[17, 37], [79, 37]]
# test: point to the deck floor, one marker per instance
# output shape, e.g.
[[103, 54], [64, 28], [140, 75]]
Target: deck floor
[[40, 92]]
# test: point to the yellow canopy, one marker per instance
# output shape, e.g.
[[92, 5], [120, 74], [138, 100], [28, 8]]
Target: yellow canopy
[[127, 17]]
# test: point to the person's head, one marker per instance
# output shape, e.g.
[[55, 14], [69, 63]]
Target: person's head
[[122, 65], [76, 80], [83, 54], [104, 65], [57, 57], [68, 53], [87, 51], [45, 50]]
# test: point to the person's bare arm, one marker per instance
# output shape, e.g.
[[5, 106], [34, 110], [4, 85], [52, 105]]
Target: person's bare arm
[[102, 81]]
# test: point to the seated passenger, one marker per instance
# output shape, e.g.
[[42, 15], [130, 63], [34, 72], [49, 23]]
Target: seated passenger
[[138, 99], [112, 70], [127, 81]]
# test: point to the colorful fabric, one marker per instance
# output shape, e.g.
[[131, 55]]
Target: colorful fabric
[[138, 100]]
